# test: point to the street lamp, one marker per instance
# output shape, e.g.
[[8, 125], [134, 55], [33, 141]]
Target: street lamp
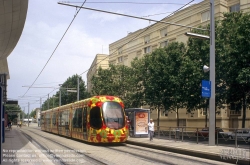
[[212, 73]]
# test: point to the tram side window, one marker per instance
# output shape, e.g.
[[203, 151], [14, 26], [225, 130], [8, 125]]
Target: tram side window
[[48, 119], [77, 119], [54, 119], [61, 118], [42, 119], [85, 118], [66, 114], [95, 118]]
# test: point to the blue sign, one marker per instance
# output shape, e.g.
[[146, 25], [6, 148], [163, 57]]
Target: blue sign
[[206, 88]]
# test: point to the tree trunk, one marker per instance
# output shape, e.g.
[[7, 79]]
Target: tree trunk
[[177, 112], [158, 118], [244, 111]]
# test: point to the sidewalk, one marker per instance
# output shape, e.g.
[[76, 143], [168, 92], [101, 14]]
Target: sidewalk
[[19, 149], [219, 153]]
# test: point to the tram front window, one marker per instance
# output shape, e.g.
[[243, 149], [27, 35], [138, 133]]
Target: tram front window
[[113, 115]]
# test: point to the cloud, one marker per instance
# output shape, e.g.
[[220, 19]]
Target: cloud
[[73, 56], [102, 17]]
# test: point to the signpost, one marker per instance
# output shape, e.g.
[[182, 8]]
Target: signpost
[[1, 124], [206, 88]]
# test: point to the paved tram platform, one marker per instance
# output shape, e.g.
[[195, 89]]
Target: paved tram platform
[[218, 153], [18, 148]]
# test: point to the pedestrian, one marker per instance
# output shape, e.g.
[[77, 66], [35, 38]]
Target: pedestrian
[[151, 129], [19, 124], [127, 121], [9, 125]]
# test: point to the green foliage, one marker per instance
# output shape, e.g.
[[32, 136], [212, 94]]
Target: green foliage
[[33, 114], [67, 97], [117, 80], [235, 57], [170, 78], [11, 110]]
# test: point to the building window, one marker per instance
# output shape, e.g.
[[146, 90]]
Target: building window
[[182, 123], [120, 51], [205, 16], [146, 39], [120, 59], [164, 32], [164, 44], [235, 8], [204, 111], [147, 49], [164, 113]]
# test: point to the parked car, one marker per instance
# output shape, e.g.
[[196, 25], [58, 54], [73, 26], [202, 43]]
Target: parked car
[[241, 134], [205, 132]]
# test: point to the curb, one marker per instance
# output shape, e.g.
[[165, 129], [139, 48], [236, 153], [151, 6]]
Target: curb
[[205, 155]]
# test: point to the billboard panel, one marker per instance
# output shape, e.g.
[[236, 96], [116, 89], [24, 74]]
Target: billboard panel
[[141, 123]]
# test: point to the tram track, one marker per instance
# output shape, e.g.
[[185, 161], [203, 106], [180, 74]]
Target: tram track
[[142, 151], [60, 160], [149, 155], [138, 156]]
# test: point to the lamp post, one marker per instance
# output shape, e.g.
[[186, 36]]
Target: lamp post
[[28, 114], [78, 88], [212, 78], [212, 73], [60, 95]]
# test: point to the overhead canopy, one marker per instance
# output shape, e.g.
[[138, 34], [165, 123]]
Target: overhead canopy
[[12, 18], [136, 110]]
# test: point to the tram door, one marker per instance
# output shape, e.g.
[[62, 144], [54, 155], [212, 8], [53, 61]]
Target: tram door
[[84, 123]]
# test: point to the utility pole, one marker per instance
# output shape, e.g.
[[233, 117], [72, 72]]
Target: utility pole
[[48, 101], [39, 113], [78, 88], [28, 114], [60, 95], [212, 78], [23, 112]]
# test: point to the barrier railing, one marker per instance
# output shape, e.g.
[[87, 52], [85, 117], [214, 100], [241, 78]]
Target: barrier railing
[[223, 136]]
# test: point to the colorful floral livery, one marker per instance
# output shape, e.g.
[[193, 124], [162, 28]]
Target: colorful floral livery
[[99, 119]]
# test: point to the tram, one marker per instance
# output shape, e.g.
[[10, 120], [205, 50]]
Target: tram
[[99, 119]]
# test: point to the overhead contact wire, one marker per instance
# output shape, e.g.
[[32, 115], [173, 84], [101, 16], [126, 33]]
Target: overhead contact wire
[[54, 50], [137, 36]]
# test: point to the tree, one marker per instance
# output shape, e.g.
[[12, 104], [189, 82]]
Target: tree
[[67, 97], [166, 76], [235, 53], [117, 80], [182, 74], [33, 114], [12, 111]]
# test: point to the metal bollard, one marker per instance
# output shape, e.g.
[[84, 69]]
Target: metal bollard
[[175, 136], [236, 139], [182, 134], [170, 133], [217, 138], [197, 137], [158, 132]]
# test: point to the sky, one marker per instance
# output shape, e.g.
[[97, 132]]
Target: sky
[[90, 33]]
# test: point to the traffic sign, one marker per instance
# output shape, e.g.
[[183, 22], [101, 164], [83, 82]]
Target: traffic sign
[[206, 88]]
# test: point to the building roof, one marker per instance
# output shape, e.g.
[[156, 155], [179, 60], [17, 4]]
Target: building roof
[[12, 18]]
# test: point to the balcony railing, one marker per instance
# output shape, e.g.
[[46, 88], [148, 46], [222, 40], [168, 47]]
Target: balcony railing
[[234, 113]]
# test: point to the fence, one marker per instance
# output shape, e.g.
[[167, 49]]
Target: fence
[[223, 136]]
